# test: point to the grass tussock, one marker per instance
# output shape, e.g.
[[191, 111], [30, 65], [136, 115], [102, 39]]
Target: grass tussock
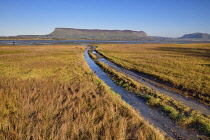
[[48, 92], [178, 112], [184, 66]]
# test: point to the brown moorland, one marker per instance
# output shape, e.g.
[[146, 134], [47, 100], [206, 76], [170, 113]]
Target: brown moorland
[[49, 92], [184, 66], [176, 110]]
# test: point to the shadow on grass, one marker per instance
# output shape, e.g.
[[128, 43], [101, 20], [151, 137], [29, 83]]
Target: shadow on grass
[[198, 52]]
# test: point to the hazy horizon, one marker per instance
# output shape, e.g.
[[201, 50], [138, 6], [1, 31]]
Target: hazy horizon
[[172, 18]]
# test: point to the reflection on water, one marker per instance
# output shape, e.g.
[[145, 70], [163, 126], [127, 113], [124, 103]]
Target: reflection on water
[[79, 42], [152, 115]]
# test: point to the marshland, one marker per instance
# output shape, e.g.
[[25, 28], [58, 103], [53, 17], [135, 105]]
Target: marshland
[[104, 70], [183, 66], [183, 109], [50, 92]]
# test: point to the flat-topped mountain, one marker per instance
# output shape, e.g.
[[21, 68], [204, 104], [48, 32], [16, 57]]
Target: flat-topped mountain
[[96, 34], [201, 36]]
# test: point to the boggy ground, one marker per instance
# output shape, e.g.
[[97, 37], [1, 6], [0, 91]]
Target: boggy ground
[[177, 111], [156, 108], [183, 66], [49, 92]]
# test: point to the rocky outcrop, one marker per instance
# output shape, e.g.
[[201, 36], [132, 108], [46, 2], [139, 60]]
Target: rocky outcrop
[[96, 34]]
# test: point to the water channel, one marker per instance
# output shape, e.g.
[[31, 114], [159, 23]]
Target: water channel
[[152, 115]]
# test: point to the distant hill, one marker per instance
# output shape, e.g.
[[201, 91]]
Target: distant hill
[[96, 34], [160, 37], [197, 36]]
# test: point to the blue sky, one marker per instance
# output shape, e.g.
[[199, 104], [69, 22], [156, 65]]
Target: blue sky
[[171, 18]]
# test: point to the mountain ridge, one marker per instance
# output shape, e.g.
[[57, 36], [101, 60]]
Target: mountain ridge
[[202, 36], [73, 33]]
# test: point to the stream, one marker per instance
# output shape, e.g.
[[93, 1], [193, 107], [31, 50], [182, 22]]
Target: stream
[[157, 86], [153, 116]]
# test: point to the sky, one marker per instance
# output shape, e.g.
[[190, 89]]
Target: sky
[[168, 18]]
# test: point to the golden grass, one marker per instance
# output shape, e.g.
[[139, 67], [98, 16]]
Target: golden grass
[[178, 112], [184, 66], [49, 92]]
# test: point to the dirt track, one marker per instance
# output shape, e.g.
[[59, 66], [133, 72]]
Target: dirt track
[[160, 87], [152, 115]]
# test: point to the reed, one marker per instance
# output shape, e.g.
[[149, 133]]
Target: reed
[[183, 66], [49, 92], [178, 112]]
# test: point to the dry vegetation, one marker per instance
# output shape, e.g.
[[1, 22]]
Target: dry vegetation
[[48, 92], [178, 112], [184, 66]]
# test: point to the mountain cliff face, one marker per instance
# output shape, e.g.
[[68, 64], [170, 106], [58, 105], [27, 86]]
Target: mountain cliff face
[[201, 36], [95, 34]]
